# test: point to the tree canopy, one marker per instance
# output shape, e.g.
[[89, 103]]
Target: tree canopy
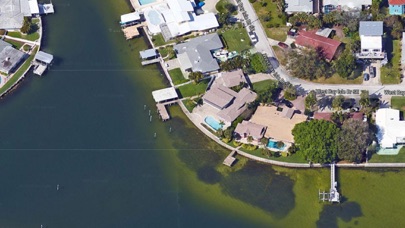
[[310, 100], [345, 64], [354, 139], [337, 102], [316, 140], [307, 63]]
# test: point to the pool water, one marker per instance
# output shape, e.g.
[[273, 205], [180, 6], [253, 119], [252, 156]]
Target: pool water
[[273, 144], [213, 123], [144, 2]]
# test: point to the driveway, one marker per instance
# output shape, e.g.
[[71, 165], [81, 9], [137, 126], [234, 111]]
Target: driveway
[[376, 80]]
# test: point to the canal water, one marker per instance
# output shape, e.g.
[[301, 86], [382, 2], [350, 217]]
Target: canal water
[[83, 127]]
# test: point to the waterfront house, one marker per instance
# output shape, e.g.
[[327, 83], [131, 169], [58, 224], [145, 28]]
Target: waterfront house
[[345, 5], [371, 40], [239, 105], [13, 13], [396, 7], [174, 18], [34, 8], [391, 129], [196, 54], [231, 79], [329, 47], [299, 6], [245, 129], [219, 97], [10, 58]]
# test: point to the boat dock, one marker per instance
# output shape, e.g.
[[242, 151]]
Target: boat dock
[[230, 159], [163, 97], [41, 62], [151, 61], [163, 113], [333, 195]]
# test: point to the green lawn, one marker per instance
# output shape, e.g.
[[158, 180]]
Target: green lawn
[[236, 39], [190, 104], [398, 102], [33, 36], [278, 30], [167, 52], [292, 158], [18, 73], [177, 76], [280, 54], [192, 89], [159, 41], [400, 157], [263, 85], [16, 44], [392, 75], [355, 78]]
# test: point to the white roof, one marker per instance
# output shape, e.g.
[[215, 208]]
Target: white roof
[[33, 6], [164, 94], [46, 8], [129, 17], [12, 13], [371, 42], [44, 57], [352, 4], [390, 129], [180, 5], [293, 6]]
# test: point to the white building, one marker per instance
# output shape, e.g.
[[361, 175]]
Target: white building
[[173, 18], [371, 40], [12, 13], [299, 6], [391, 130], [345, 5]]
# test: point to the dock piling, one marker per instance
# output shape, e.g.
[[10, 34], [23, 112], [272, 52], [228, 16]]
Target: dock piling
[[150, 119]]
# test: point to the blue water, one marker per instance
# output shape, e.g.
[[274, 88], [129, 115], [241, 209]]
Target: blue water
[[273, 144], [213, 123], [144, 2]]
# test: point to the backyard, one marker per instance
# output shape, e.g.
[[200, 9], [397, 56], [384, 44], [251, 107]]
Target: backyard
[[167, 52], [159, 41], [398, 102], [273, 21], [235, 38], [294, 158], [177, 76], [391, 74], [400, 157], [16, 44], [192, 89], [262, 85], [32, 36]]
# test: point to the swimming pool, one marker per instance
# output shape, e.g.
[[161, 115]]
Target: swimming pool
[[144, 2], [213, 123], [273, 145]]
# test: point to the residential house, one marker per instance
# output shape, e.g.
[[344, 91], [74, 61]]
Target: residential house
[[196, 54], [371, 40], [345, 5], [328, 116], [10, 58], [299, 6], [13, 13], [245, 129], [174, 18], [219, 97], [329, 47], [391, 129], [231, 79], [396, 7], [239, 105]]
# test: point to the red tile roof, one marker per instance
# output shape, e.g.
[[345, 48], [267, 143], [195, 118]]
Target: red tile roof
[[396, 2], [327, 116], [310, 39]]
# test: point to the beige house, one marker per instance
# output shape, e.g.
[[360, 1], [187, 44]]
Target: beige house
[[245, 129]]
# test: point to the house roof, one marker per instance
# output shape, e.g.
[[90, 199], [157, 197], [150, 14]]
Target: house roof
[[325, 32], [164, 94], [390, 128], [299, 6], [396, 2], [287, 112], [328, 116], [198, 51], [219, 96], [371, 28], [130, 17], [9, 58], [347, 3], [4, 44], [148, 53], [310, 39], [238, 106], [250, 129], [231, 79], [34, 8], [13, 13]]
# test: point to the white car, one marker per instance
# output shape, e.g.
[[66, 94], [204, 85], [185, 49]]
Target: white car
[[253, 37]]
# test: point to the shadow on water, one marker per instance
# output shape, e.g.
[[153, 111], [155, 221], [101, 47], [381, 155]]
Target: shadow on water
[[209, 175], [345, 211], [259, 185]]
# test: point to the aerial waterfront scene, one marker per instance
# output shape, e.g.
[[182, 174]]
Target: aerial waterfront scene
[[129, 127]]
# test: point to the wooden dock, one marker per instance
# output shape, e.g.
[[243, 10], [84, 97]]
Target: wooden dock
[[163, 113], [230, 159], [151, 61]]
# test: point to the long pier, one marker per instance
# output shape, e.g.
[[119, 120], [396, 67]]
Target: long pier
[[333, 194]]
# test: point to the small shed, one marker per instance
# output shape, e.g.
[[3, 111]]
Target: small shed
[[44, 58], [149, 54], [166, 94]]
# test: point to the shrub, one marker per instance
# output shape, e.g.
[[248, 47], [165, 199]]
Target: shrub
[[236, 143], [252, 1], [280, 144], [249, 147], [269, 25], [264, 141]]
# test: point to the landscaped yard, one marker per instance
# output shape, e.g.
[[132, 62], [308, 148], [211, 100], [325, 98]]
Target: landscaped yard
[[177, 76], [236, 39], [400, 157], [167, 52], [262, 86], [398, 102], [33, 36], [16, 44], [391, 75], [159, 41], [272, 19], [192, 89], [190, 104], [355, 78], [292, 158]]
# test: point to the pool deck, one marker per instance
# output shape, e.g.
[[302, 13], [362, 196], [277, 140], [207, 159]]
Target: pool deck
[[138, 7]]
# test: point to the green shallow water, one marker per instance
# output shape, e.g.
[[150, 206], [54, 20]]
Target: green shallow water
[[83, 126]]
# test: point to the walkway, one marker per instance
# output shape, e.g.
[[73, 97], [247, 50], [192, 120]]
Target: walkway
[[22, 40]]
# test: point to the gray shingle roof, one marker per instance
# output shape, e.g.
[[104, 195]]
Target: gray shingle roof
[[12, 13], [10, 58], [371, 28], [198, 51]]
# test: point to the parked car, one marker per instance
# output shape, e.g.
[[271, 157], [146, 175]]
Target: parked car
[[282, 45], [253, 37], [366, 77], [372, 71]]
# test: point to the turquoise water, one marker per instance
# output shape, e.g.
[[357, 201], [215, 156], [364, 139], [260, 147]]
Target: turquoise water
[[144, 2], [273, 144], [213, 123]]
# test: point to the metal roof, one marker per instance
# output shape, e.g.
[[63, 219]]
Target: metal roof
[[148, 53], [371, 28], [44, 57], [130, 17], [164, 94]]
